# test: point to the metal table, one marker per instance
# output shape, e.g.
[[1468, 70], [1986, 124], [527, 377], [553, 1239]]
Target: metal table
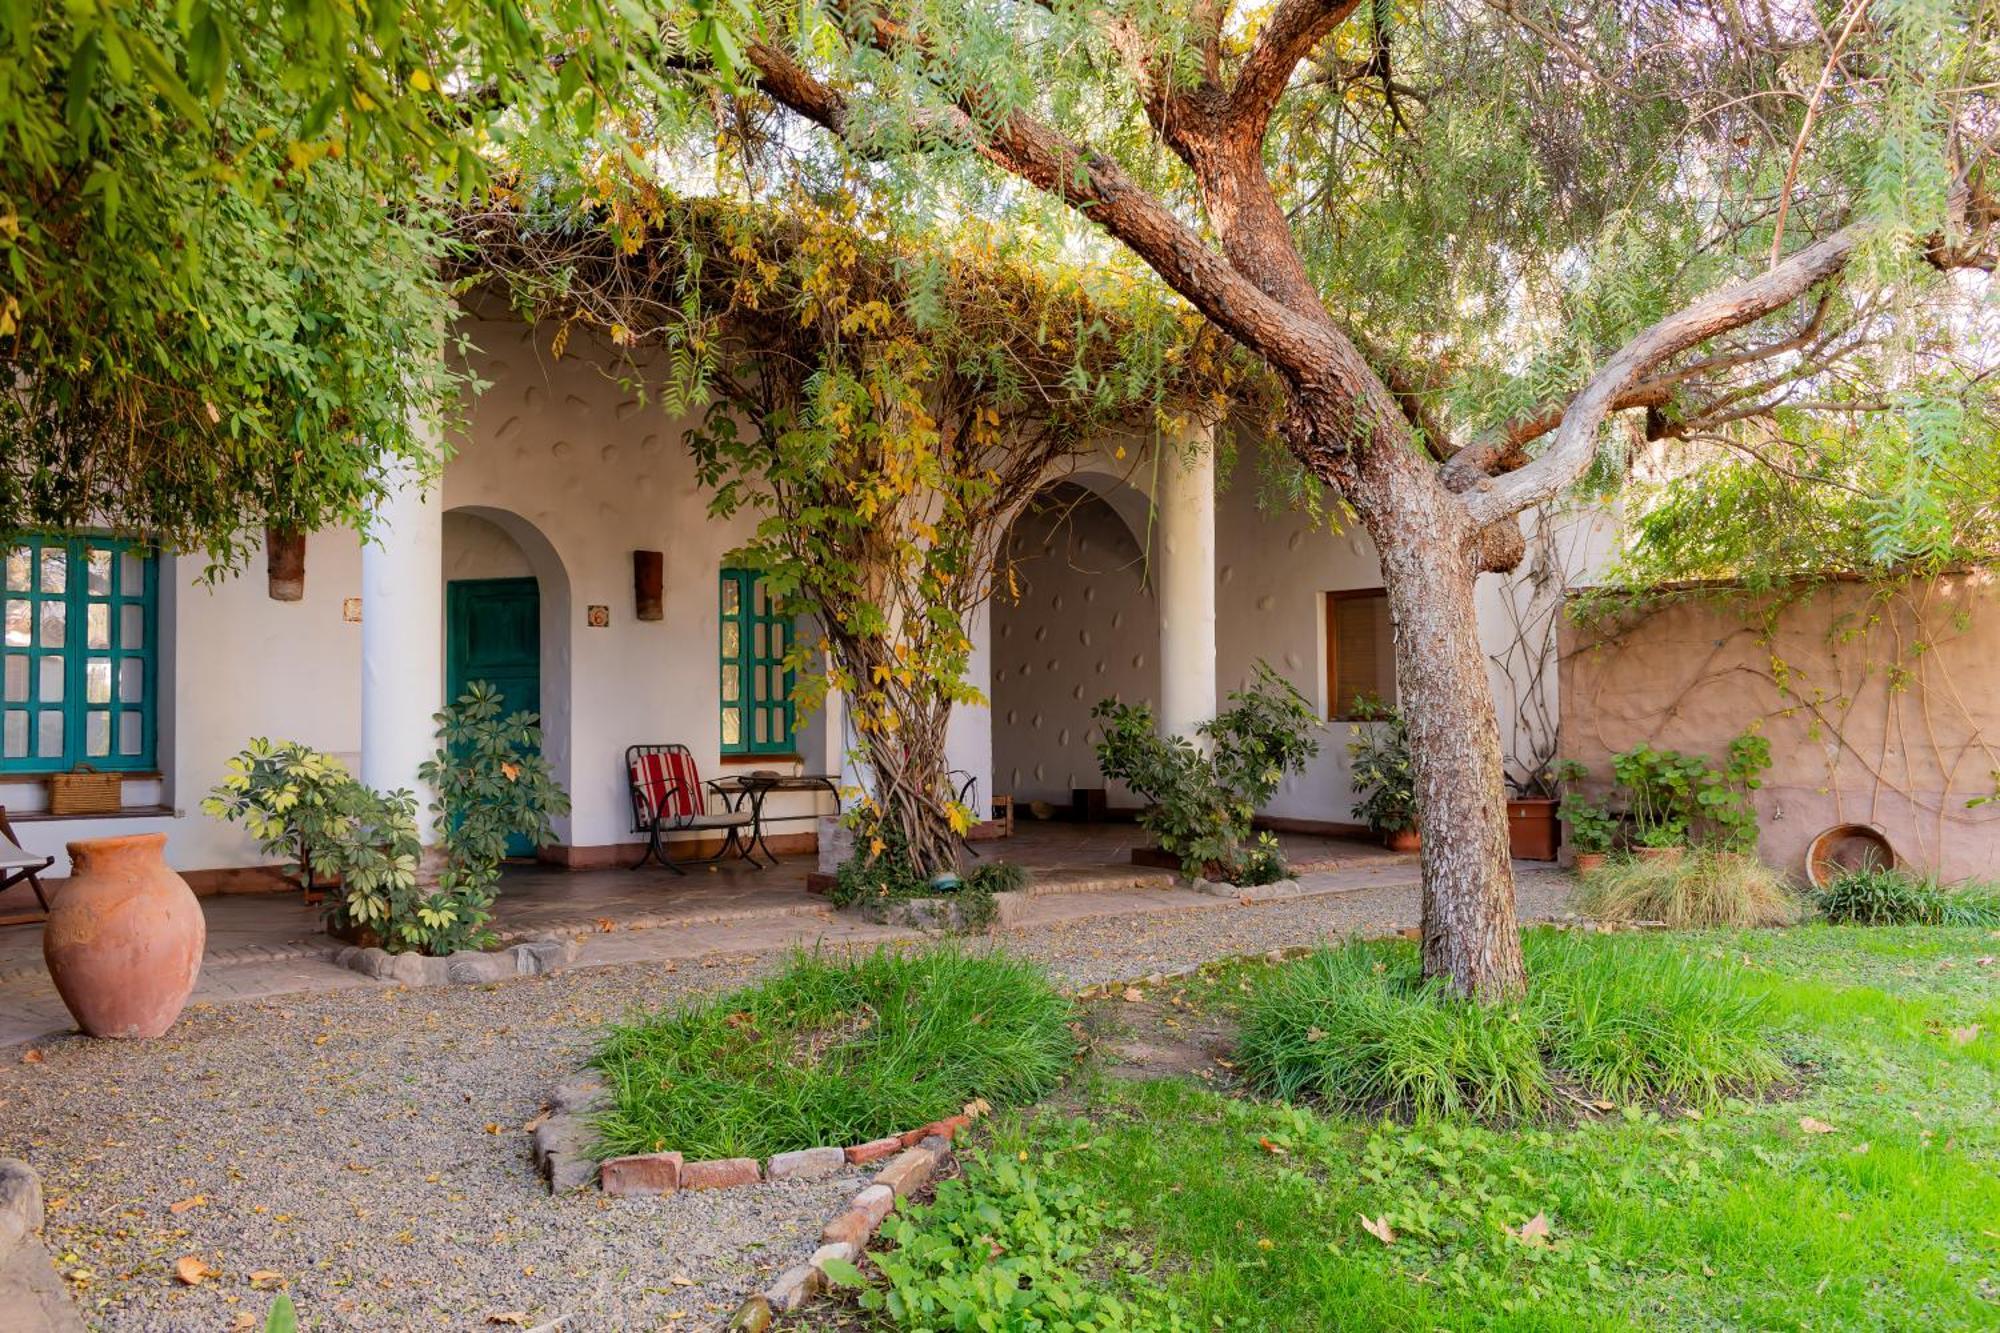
[[755, 788]]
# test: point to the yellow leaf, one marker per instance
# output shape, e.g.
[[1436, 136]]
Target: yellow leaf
[[263, 1279], [1534, 1231], [1812, 1126], [1379, 1228], [182, 1205]]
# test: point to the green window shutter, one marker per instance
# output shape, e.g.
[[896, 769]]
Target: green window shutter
[[79, 660], [756, 688]]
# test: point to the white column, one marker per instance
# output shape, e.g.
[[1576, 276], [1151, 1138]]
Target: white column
[[1186, 584], [402, 638], [968, 739]]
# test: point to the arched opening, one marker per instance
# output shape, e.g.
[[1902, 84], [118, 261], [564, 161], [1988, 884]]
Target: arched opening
[[507, 618], [1076, 621]]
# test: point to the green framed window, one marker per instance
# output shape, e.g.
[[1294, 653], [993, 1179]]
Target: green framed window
[[756, 687], [79, 659]]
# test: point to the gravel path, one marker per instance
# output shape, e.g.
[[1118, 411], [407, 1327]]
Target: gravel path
[[366, 1147]]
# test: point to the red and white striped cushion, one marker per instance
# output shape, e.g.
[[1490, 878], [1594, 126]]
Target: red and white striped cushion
[[671, 783]]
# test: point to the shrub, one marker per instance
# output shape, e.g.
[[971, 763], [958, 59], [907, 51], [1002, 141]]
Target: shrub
[[1879, 896], [289, 796], [1592, 826], [1006, 1247], [1357, 1026], [1263, 863], [1200, 805], [832, 1052], [1703, 888], [1383, 772], [1674, 797], [883, 872]]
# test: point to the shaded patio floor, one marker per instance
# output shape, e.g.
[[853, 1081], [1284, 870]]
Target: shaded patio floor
[[535, 899]]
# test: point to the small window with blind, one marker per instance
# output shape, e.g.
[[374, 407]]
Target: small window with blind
[[1360, 654], [756, 686]]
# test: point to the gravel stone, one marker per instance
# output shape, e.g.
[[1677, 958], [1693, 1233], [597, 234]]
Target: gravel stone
[[367, 1143]]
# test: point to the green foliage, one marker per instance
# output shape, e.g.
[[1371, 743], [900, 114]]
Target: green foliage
[[1592, 826], [1383, 772], [1201, 804], [289, 796], [1673, 797], [373, 851], [492, 784], [1704, 887], [1358, 1026], [883, 872], [283, 1318], [1006, 1247], [1878, 896], [222, 229], [834, 1052], [1263, 863]]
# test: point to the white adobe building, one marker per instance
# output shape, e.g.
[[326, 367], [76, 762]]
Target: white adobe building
[[1139, 577]]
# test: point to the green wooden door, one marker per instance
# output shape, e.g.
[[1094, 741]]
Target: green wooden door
[[493, 632]]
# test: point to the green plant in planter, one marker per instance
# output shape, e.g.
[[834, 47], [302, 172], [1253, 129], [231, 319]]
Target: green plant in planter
[[288, 795], [1659, 787], [1592, 826], [1723, 796], [492, 783], [1383, 775], [1201, 805]]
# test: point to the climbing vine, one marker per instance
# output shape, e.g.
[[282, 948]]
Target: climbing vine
[[884, 405]]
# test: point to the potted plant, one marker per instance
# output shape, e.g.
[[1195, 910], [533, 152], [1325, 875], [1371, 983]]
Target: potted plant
[[1532, 831], [1659, 787], [1592, 826], [1384, 777]]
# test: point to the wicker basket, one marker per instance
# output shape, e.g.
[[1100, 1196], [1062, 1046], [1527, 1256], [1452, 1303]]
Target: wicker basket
[[85, 791]]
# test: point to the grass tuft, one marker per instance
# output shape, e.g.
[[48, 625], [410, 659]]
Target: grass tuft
[[1882, 897], [1703, 888], [834, 1052], [1358, 1027]]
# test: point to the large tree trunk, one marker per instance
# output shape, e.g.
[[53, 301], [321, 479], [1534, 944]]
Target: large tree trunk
[[1430, 563]]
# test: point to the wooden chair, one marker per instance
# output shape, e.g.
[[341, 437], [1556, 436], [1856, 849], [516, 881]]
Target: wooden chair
[[668, 796], [17, 864]]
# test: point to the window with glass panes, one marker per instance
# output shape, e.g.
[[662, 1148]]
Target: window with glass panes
[[77, 668], [756, 687]]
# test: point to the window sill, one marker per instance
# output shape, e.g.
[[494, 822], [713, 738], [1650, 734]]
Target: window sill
[[128, 812], [760, 760], [44, 774]]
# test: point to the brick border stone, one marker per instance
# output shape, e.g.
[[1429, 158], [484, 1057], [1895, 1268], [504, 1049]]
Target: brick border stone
[[467, 967]]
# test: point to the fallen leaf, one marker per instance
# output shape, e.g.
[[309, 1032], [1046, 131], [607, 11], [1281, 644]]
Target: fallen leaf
[[1811, 1126], [245, 1322], [605, 923], [31, 1056], [180, 1206], [680, 1281], [1272, 1148], [264, 1279], [1379, 1228], [492, 1127], [536, 1123], [1133, 995], [1691, 1113], [1534, 1231], [513, 1317], [1963, 1036], [192, 1272]]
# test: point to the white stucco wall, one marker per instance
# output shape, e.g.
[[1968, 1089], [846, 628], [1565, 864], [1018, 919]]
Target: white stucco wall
[[236, 665], [1085, 628]]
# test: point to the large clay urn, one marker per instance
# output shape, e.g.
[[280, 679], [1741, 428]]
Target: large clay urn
[[124, 937]]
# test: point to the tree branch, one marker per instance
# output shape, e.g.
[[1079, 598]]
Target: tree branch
[[1731, 308], [1287, 37]]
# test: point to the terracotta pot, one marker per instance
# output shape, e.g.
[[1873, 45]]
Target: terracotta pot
[[1531, 829], [1663, 855], [124, 937], [1405, 840], [1589, 861]]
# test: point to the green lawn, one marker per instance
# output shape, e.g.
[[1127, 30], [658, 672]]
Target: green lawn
[[1249, 1213]]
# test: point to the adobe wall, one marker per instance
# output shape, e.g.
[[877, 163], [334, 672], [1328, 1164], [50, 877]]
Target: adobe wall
[[1881, 708]]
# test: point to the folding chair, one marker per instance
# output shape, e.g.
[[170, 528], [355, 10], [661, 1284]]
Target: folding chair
[[17, 864], [668, 796]]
